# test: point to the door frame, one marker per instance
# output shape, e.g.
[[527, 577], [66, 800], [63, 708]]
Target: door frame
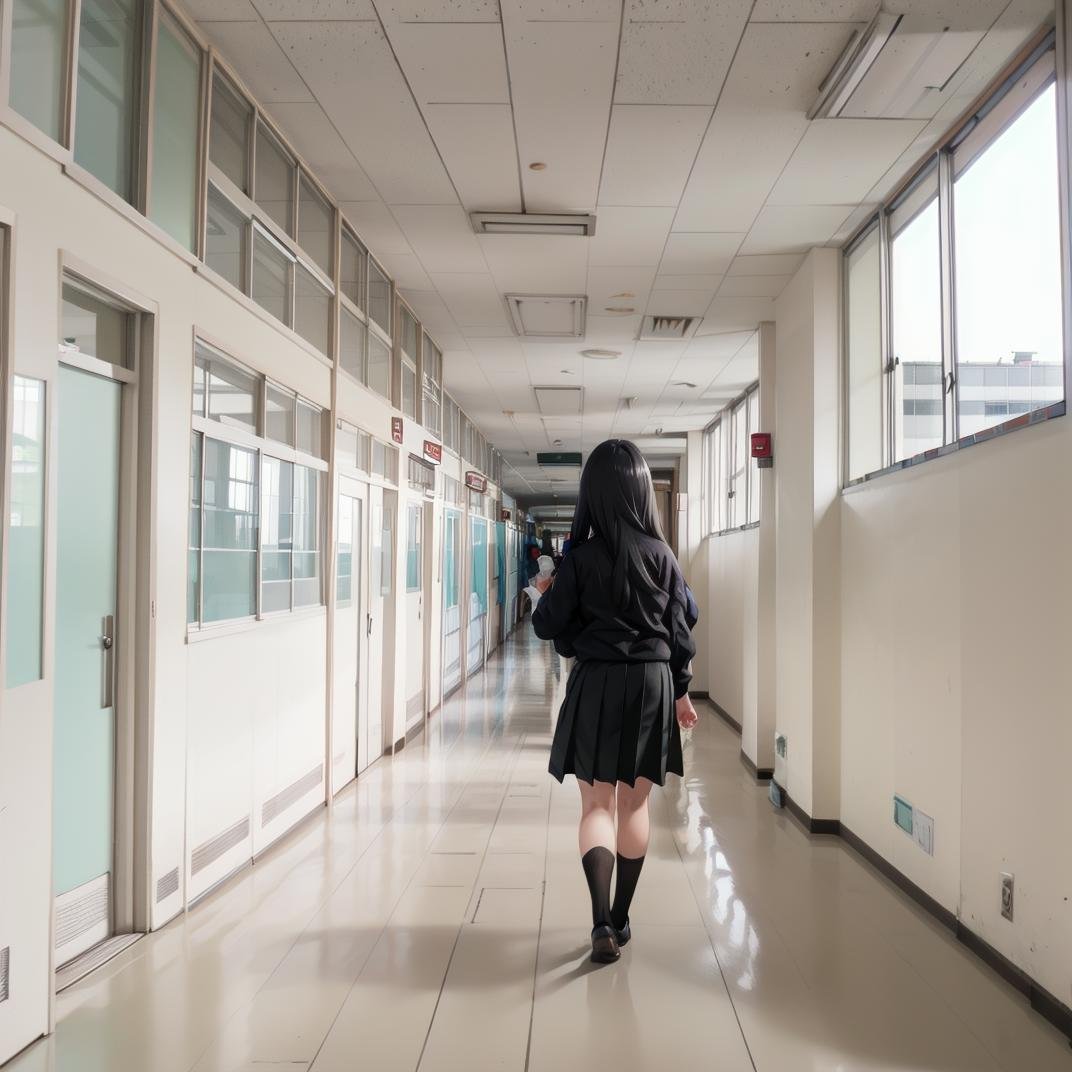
[[135, 634]]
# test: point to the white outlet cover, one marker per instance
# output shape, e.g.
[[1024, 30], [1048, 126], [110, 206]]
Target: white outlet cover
[[923, 831]]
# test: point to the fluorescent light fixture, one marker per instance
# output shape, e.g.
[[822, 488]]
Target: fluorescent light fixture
[[580, 225], [852, 66]]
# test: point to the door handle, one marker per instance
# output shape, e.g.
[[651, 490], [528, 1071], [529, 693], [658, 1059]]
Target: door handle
[[107, 643], [368, 625]]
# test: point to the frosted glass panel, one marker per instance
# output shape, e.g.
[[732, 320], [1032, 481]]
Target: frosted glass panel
[[306, 537], [271, 278], [274, 180], [312, 310], [229, 133], [316, 226], [379, 365], [277, 535], [38, 47], [279, 415], [25, 576], [107, 97], [864, 338], [173, 196], [193, 570], [352, 345]]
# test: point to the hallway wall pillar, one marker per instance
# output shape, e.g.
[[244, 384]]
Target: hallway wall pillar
[[807, 533]]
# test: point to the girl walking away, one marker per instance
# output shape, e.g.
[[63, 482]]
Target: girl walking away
[[618, 604]]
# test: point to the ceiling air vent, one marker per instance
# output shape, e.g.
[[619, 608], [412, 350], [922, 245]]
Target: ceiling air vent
[[548, 315], [580, 225], [668, 327], [559, 401]]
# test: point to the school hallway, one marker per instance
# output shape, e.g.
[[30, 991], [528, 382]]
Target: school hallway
[[436, 918]]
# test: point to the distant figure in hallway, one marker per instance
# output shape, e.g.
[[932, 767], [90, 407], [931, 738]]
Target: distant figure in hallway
[[567, 544], [619, 605]]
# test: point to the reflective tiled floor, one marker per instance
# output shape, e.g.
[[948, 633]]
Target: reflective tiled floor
[[437, 919]]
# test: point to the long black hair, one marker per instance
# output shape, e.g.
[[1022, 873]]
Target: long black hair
[[617, 504]]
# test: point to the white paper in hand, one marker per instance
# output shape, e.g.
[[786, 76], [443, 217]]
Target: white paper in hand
[[533, 594]]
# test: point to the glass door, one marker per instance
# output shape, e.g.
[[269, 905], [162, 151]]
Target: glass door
[[351, 746], [379, 621], [414, 611], [84, 727], [452, 611], [478, 594]]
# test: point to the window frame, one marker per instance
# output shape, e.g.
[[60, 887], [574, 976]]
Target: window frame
[[717, 467], [1010, 95], [257, 442]]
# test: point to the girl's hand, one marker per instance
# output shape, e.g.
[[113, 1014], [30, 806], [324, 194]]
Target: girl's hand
[[541, 584], [686, 713]]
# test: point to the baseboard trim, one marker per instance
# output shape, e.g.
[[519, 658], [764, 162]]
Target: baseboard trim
[[414, 732], [763, 775], [699, 694], [1041, 1000], [724, 715]]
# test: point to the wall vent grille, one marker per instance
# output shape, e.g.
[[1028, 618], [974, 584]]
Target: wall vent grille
[[5, 973], [167, 884], [210, 851], [275, 806], [82, 910]]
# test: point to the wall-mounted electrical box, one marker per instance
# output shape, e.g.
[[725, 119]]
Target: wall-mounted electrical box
[[923, 831], [902, 814]]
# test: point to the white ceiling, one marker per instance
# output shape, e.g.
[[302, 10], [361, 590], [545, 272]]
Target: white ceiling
[[680, 123]]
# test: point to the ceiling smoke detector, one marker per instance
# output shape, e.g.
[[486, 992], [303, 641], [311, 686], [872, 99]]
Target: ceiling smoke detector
[[581, 225], [602, 355]]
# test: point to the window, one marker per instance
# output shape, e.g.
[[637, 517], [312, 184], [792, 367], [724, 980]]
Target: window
[[96, 327], [26, 533], [176, 107], [916, 321], [353, 274], [312, 309], [232, 118], [271, 276], [279, 409], [737, 492], [344, 551], [731, 475], [863, 330], [258, 507], [410, 330], [379, 298], [193, 556], [379, 365], [226, 234], [752, 463], [422, 476], [229, 552], [414, 515], [316, 227], [409, 390], [107, 102], [274, 180], [39, 63], [353, 334], [224, 392], [1006, 240], [974, 293]]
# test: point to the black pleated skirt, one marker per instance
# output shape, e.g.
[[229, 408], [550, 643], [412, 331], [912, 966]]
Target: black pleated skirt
[[617, 724]]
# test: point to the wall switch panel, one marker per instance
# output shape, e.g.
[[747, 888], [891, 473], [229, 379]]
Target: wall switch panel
[[1008, 889]]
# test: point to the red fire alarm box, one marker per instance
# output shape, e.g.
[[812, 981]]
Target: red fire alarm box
[[762, 449]]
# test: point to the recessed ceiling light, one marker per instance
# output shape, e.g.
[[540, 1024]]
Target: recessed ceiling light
[[538, 165], [602, 355]]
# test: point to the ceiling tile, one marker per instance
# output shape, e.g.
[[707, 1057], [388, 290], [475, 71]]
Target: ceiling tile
[[571, 10], [679, 302], [687, 282], [452, 63], [473, 300], [376, 227], [312, 134], [737, 314], [476, 142], [612, 331], [678, 53], [302, 10], [629, 236], [618, 287], [561, 117], [813, 10], [406, 270], [351, 62], [739, 162], [719, 345], [259, 60], [766, 264], [779, 66], [537, 264], [753, 286], [699, 253], [650, 151], [347, 183], [839, 160], [442, 237], [794, 228], [439, 10]]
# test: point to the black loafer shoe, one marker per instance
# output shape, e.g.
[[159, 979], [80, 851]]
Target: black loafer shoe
[[623, 934], [604, 944]]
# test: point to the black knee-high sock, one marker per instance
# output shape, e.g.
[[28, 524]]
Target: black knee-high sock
[[598, 864], [624, 888]]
